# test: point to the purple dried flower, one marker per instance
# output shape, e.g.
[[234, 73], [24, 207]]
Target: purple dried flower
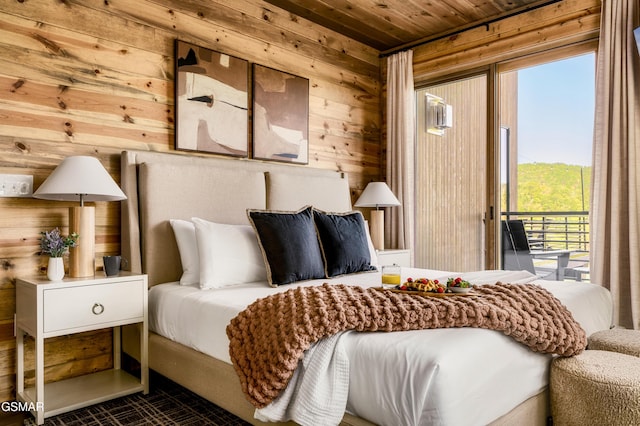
[[54, 244]]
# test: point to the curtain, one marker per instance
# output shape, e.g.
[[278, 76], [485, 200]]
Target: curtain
[[400, 148], [615, 203]]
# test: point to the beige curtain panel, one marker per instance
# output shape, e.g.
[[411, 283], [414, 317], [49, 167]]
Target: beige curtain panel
[[615, 204], [400, 148]]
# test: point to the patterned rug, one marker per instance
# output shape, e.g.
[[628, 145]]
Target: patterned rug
[[166, 404]]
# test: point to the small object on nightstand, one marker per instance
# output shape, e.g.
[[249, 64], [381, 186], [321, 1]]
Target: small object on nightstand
[[55, 245], [111, 265], [55, 269], [48, 309]]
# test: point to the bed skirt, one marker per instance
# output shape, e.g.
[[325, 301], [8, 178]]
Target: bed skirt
[[197, 371]]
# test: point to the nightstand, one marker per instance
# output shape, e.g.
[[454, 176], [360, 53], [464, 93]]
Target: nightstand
[[398, 257], [47, 309]]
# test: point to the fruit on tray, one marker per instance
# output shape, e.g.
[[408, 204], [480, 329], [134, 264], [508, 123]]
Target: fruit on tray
[[458, 282], [423, 284]]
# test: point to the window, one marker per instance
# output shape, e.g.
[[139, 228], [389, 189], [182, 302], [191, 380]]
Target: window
[[547, 133], [547, 105], [529, 154]]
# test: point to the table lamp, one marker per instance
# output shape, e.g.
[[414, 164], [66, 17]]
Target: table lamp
[[377, 194], [81, 178]]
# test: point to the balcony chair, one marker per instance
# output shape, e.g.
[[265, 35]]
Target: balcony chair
[[517, 254]]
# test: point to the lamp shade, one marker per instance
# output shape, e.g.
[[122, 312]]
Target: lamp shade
[[80, 178], [377, 194]]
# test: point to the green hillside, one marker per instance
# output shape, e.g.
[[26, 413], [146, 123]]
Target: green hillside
[[553, 187]]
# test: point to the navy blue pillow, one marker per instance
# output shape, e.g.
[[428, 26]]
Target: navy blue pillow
[[289, 245], [343, 241]]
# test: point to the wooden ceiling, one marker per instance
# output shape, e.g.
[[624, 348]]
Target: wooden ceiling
[[393, 24]]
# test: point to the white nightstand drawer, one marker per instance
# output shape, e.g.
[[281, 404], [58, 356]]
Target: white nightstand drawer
[[397, 257], [90, 305]]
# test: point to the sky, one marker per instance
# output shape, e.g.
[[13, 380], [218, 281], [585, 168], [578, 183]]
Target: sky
[[555, 111]]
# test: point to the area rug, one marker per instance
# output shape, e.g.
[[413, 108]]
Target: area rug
[[166, 404]]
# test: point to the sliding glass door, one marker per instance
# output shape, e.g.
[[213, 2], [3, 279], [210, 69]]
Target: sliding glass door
[[518, 147], [546, 115]]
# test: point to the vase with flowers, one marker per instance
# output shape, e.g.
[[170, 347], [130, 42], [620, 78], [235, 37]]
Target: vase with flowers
[[56, 245]]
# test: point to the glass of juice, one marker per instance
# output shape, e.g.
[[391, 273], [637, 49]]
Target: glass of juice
[[391, 276]]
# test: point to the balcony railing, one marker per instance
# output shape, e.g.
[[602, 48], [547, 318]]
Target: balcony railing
[[555, 230], [558, 231]]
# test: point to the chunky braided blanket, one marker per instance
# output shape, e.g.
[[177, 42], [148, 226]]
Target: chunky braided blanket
[[270, 336]]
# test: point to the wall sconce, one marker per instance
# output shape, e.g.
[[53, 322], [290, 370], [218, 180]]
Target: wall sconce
[[439, 115]]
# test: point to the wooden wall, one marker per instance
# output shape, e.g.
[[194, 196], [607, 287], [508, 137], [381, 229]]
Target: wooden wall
[[95, 77], [556, 25]]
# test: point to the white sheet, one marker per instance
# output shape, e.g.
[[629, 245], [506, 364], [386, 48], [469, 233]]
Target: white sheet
[[317, 392], [410, 377]]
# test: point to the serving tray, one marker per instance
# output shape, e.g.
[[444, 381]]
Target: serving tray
[[426, 293]]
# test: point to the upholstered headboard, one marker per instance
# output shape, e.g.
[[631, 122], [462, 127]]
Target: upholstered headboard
[[163, 186]]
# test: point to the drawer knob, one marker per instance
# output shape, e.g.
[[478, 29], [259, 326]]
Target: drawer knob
[[97, 309]]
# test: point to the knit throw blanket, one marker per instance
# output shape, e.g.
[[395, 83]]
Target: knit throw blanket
[[270, 336]]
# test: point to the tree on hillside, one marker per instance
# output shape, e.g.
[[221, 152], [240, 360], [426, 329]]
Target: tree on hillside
[[544, 187]]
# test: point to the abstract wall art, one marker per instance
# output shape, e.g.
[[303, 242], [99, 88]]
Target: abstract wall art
[[212, 97], [280, 116]]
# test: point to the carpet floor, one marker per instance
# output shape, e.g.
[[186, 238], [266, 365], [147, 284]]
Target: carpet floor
[[167, 404]]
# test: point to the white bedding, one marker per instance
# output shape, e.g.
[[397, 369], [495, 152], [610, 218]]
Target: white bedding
[[459, 376]]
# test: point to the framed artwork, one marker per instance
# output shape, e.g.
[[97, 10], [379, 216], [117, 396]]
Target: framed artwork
[[280, 116], [212, 97]]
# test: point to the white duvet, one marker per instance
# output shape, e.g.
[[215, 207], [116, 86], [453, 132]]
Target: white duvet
[[464, 376]]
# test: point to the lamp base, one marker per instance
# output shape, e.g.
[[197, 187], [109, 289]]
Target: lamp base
[[376, 226], [82, 258]]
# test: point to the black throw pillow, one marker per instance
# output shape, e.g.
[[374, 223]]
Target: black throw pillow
[[289, 245], [343, 241]]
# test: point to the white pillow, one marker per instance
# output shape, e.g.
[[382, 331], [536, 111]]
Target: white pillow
[[229, 254], [372, 250], [185, 233]]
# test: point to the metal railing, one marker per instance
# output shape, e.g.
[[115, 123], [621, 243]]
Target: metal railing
[[555, 230]]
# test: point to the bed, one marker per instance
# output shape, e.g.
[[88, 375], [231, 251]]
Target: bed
[[457, 376]]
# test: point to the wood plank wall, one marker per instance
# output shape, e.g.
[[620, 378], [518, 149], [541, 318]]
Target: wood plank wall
[[556, 25], [95, 77]]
